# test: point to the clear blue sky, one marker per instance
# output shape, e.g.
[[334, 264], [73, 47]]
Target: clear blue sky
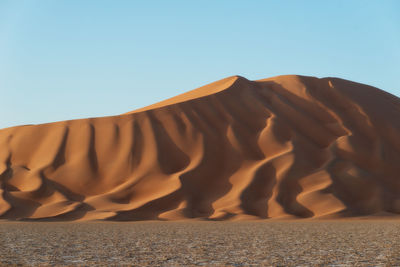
[[74, 59]]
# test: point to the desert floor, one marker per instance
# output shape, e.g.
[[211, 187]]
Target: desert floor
[[332, 243]]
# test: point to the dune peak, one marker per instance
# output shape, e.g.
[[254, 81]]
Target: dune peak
[[202, 91]]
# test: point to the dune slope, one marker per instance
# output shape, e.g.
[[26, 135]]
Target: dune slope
[[283, 147]]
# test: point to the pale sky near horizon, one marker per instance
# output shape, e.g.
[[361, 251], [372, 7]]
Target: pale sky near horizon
[[71, 59]]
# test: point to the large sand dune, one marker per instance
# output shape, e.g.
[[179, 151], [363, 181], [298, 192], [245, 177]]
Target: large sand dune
[[284, 147]]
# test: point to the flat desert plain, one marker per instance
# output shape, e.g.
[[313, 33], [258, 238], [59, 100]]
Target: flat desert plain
[[258, 243]]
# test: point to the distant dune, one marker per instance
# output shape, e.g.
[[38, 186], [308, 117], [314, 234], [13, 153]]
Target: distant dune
[[283, 147]]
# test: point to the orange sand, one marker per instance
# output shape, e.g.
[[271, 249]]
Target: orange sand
[[283, 147]]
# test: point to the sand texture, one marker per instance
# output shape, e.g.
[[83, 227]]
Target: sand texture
[[284, 147]]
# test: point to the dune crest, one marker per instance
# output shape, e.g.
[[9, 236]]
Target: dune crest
[[282, 147]]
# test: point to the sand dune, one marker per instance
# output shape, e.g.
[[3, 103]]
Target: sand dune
[[283, 147]]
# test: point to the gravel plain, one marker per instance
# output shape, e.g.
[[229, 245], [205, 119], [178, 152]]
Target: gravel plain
[[196, 243]]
